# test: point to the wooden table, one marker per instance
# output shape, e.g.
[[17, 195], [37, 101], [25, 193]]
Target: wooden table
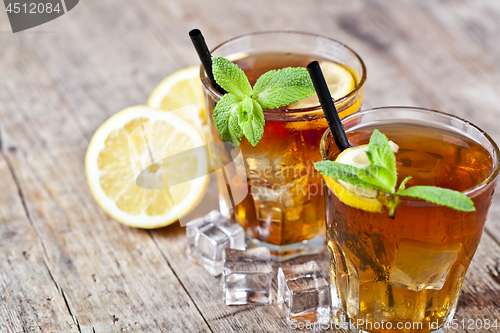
[[65, 266]]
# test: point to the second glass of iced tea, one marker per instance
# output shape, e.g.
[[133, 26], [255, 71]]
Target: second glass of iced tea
[[284, 208], [404, 273]]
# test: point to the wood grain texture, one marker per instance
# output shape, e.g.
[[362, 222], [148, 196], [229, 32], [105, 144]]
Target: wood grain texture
[[30, 299], [112, 278], [67, 267]]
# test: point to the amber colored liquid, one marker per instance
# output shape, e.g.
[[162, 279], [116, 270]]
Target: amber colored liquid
[[285, 203], [409, 269]]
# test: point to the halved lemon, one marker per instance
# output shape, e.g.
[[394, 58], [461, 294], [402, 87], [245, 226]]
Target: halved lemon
[[182, 88], [110, 172], [349, 194], [340, 82]]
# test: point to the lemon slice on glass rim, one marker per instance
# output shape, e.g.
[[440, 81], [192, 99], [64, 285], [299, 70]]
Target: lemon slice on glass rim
[[349, 194], [340, 82]]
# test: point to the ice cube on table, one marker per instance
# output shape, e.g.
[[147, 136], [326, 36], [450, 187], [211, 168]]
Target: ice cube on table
[[303, 294], [247, 276], [209, 236]]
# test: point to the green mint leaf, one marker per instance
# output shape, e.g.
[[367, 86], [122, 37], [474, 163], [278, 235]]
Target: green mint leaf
[[380, 153], [440, 196], [230, 77], [234, 126], [226, 107], [402, 186], [251, 120], [282, 87], [344, 172], [378, 176]]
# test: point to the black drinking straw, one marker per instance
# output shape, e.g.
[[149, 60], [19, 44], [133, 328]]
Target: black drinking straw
[[326, 100], [205, 57]]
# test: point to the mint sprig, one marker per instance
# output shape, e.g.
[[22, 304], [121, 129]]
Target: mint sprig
[[381, 175], [239, 112]]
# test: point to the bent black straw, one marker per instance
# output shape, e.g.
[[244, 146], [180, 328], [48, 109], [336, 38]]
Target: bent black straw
[[205, 57], [332, 117]]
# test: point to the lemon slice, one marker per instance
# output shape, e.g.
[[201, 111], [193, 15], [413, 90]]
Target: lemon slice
[[237, 56], [110, 172], [179, 89], [340, 82], [349, 194]]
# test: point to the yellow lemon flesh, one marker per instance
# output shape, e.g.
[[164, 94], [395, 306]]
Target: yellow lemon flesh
[[110, 168], [349, 194], [340, 82], [179, 89]]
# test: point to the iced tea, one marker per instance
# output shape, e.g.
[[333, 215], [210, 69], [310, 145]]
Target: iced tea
[[404, 273], [284, 208]]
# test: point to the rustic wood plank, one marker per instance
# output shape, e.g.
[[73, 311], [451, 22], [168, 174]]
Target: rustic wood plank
[[480, 298], [404, 49], [104, 56], [30, 300], [113, 278], [206, 291], [225, 315]]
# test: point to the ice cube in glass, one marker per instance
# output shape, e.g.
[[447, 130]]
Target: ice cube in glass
[[208, 237], [303, 293], [247, 276]]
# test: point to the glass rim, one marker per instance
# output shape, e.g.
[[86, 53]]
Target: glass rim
[[311, 109], [469, 191]]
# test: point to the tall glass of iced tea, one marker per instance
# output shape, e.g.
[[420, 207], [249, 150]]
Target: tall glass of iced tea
[[284, 206], [404, 274]]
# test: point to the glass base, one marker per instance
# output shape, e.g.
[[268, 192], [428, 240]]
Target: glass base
[[289, 251], [341, 321], [441, 330]]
